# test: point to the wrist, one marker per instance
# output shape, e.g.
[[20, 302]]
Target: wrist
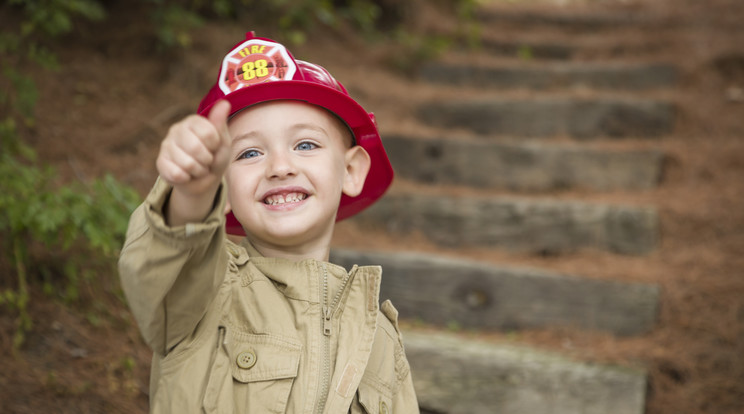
[[185, 206]]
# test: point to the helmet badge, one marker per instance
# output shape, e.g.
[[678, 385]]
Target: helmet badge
[[255, 61]]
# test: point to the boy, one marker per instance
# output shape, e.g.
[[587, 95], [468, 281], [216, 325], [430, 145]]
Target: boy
[[266, 325]]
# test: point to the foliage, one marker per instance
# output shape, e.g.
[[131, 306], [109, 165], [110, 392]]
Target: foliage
[[54, 17], [80, 224], [468, 27], [417, 48], [20, 44], [60, 232], [174, 19], [174, 24]]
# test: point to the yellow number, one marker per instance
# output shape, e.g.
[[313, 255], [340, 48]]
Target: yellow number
[[249, 72], [257, 69], [261, 68]]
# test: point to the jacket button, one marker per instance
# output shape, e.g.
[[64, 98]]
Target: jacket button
[[383, 408], [246, 359]]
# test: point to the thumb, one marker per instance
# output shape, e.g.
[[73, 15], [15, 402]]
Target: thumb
[[218, 117]]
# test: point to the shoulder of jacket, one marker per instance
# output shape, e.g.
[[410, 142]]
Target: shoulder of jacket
[[387, 309]]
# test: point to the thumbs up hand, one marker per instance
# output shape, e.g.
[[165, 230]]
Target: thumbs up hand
[[193, 157]]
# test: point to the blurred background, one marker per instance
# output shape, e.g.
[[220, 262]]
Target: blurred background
[[564, 234]]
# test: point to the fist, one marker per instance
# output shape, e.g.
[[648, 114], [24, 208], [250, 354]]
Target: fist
[[196, 151]]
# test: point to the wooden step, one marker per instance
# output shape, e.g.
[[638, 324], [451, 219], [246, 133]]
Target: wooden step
[[547, 76], [522, 166], [455, 375], [473, 295], [544, 226], [527, 49], [553, 116]]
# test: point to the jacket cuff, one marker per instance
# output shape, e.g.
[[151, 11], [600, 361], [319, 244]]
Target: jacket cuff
[[190, 234]]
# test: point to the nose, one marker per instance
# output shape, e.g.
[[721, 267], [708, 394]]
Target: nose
[[280, 165]]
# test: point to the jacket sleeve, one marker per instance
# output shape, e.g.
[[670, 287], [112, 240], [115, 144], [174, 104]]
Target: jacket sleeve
[[171, 274], [404, 400]]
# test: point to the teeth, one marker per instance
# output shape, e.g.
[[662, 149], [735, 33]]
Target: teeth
[[283, 199]]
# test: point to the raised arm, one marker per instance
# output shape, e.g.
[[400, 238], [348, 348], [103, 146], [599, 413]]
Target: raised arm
[[174, 260]]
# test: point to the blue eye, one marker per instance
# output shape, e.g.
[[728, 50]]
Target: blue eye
[[251, 153], [306, 146]]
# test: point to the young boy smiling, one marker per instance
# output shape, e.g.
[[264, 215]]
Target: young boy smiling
[[266, 325]]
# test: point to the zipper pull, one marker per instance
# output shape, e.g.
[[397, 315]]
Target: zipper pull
[[326, 321]]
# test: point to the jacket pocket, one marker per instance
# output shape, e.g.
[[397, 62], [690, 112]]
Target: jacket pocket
[[257, 372], [371, 400]]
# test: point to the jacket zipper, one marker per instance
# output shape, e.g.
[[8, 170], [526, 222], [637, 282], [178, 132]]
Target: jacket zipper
[[326, 324]]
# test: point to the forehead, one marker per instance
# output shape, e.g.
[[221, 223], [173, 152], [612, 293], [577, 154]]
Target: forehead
[[281, 114], [284, 112]]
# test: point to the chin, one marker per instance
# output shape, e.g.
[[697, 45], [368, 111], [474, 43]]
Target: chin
[[292, 231]]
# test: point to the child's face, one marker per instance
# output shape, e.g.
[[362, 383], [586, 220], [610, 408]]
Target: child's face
[[290, 163]]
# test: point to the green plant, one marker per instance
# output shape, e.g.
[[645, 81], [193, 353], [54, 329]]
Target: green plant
[[55, 17], [413, 49], [83, 224], [48, 230], [22, 43], [468, 26], [525, 52], [175, 19], [174, 25]]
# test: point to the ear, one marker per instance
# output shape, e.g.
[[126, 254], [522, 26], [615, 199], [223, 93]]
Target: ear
[[228, 206], [357, 167], [232, 237]]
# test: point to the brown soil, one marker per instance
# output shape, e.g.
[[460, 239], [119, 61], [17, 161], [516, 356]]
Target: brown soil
[[109, 106]]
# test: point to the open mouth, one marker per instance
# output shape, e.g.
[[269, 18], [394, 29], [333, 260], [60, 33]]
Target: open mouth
[[284, 198]]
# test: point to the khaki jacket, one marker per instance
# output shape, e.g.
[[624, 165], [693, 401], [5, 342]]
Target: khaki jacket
[[234, 332]]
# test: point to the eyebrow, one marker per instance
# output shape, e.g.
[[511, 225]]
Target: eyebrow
[[243, 136], [311, 127], [294, 127]]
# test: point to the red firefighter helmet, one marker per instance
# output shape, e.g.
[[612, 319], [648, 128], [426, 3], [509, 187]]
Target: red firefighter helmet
[[258, 70]]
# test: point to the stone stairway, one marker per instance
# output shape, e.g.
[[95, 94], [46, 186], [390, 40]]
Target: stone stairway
[[549, 124]]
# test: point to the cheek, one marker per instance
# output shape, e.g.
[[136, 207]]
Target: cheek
[[236, 183], [335, 175], [229, 181]]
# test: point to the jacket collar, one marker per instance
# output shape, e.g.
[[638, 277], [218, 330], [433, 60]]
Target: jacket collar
[[300, 280]]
